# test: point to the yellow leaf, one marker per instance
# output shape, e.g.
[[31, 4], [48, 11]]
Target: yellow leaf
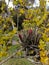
[[44, 60], [21, 11], [42, 44]]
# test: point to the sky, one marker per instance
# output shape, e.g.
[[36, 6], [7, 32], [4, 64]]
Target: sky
[[34, 5]]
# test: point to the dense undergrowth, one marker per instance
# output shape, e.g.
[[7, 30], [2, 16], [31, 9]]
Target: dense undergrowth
[[31, 26]]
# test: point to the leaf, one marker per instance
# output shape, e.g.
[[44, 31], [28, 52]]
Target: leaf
[[42, 44]]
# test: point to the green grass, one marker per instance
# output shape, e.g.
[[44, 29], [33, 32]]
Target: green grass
[[15, 61], [16, 38], [13, 48], [47, 47]]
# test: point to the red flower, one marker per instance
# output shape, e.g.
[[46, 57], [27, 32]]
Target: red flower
[[30, 31]]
